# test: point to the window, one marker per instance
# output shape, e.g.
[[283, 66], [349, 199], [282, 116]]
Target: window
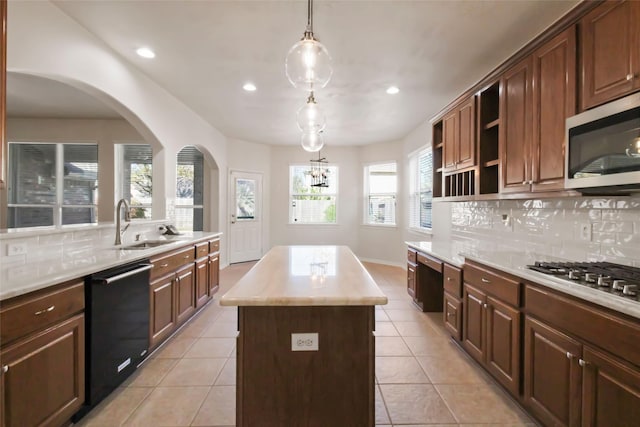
[[312, 204], [137, 177], [190, 190], [380, 186], [52, 184], [420, 189]]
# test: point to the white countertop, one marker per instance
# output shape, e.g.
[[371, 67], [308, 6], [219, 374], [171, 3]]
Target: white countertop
[[21, 279], [305, 276], [509, 260]]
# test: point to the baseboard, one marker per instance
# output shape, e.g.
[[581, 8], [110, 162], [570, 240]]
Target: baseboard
[[384, 262]]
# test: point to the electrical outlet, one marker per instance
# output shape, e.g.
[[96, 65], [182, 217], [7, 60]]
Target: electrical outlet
[[16, 248], [304, 342], [585, 231]]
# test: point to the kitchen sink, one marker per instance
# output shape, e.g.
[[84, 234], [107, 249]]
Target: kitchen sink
[[147, 244]]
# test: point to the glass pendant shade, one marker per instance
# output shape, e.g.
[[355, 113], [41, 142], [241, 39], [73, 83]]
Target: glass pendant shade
[[312, 141], [308, 64], [311, 117]]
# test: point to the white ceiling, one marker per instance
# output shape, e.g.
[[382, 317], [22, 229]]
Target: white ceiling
[[206, 51]]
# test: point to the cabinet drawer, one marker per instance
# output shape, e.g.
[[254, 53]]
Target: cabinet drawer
[[433, 263], [492, 282], [593, 324], [214, 246], [411, 256], [452, 280], [202, 249], [29, 313], [168, 263]]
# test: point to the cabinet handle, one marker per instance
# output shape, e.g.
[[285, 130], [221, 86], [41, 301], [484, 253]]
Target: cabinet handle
[[485, 305], [186, 257], [451, 315], [5, 369], [448, 279], [412, 270], [164, 265], [530, 181], [485, 280], [583, 363], [569, 355], [629, 77], [524, 182], [46, 310]]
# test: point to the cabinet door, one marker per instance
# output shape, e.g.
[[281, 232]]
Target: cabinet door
[[450, 134], [611, 391], [411, 280], [185, 292], [610, 52], [452, 315], [552, 375], [554, 99], [202, 282], [503, 343], [162, 310], [44, 381], [466, 148], [516, 128], [214, 274], [473, 320]]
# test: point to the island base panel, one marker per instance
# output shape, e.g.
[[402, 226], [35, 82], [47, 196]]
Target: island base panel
[[333, 386]]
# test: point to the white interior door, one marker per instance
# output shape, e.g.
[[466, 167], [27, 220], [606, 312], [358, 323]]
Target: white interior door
[[245, 225]]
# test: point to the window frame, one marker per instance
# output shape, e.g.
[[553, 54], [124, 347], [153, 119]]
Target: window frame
[[119, 179], [367, 195], [59, 205], [335, 172], [193, 206], [415, 192]]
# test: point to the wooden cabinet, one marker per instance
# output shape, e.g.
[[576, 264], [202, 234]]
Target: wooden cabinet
[[162, 311], [491, 323], [214, 267], [459, 136], [412, 267], [185, 285], [554, 99], [552, 374], [202, 281], [452, 305], [611, 391], [610, 47], [42, 380]]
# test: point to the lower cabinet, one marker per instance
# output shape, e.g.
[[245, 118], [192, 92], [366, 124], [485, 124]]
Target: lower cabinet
[[411, 280], [214, 273], [202, 281], [42, 378], [162, 310], [452, 315], [185, 284]]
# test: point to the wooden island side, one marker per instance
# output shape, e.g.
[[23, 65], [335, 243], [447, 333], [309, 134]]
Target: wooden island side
[[306, 289]]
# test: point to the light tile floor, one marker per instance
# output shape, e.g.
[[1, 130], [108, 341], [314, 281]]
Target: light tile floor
[[422, 378]]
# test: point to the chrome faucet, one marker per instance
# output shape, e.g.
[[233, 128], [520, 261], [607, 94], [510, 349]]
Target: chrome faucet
[[127, 218]]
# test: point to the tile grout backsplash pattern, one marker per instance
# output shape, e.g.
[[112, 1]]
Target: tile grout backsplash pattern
[[584, 228]]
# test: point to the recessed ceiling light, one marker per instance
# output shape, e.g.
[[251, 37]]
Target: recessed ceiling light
[[145, 52], [392, 90], [249, 87]]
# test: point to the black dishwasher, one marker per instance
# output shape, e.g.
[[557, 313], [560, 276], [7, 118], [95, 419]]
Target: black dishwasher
[[117, 316]]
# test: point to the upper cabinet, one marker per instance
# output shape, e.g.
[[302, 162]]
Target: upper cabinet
[[539, 93], [610, 47], [459, 136]]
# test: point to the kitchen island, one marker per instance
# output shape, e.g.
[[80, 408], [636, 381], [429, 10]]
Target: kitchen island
[[305, 349]]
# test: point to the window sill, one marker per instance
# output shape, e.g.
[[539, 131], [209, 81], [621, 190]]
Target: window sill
[[314, 223], [379, 225], [425, 231]]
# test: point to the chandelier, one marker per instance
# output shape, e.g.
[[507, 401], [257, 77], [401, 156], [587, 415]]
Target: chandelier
[[308, 67], [319, 172]]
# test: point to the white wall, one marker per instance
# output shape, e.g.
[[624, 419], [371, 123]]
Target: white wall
[[377, 243], [345, 232], [45, 42]]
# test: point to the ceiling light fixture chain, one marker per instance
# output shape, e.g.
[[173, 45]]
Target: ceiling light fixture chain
[[308, 67]]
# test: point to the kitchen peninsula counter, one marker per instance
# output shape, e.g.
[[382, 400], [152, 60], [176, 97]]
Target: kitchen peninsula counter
[[325, 377]]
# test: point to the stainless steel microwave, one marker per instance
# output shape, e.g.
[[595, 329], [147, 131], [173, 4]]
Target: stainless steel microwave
[[603, 148]]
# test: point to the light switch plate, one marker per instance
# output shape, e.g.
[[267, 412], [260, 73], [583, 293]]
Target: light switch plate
[[304, 342]]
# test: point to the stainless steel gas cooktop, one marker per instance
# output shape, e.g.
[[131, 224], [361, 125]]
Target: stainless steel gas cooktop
[[617, 279]]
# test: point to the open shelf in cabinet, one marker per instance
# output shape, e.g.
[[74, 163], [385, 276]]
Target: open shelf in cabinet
[[437, 159], [489, 139], [460, 183]]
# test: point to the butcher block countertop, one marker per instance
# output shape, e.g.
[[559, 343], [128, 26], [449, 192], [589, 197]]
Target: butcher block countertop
[[306, 276]]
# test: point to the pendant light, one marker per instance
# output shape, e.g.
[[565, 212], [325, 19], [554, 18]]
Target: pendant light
[[308, 63], [312, 141], [310, 116]]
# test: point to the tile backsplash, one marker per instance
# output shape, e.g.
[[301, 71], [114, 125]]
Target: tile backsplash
[[584, 228]]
